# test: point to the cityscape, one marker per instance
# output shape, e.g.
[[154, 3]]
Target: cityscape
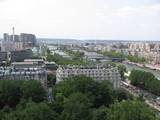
[[73, 70]]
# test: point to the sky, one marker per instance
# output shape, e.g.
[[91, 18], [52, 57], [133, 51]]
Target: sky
[[82, 19]]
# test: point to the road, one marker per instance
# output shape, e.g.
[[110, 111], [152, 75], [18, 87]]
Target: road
[[50, 94], [149, 98]]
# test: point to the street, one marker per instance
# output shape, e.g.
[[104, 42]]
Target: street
[[149, 98]]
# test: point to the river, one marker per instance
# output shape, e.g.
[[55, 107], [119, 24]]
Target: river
[[131, 67]]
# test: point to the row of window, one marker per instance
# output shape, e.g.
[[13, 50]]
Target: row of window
[[100, 72]]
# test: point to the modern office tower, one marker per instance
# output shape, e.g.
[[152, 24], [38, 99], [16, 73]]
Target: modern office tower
[[97, 72], [29, 40], [17, 42], [18, 46], [11, 42]]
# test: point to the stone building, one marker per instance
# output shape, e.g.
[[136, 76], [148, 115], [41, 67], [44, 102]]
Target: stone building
[[97, 72]]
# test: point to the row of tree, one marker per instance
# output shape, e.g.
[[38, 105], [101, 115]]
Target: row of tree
[[136, 59], [64, 61], [145, 80], [113, 54]]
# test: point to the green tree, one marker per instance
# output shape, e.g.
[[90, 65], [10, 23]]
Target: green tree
[[5, 111], [100, 113], [51, 80], [121, 94], [10, 93], [113, 54], [99, 92], [32, 111], [145, 80], [130, 110], [136, 59], [77, 107], [122, 69], [33, 90]]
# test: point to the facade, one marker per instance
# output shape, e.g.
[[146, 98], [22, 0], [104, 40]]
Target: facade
[[15, 56], [24, 71], [3, 56], [50, 66], [11, 43], [29, 40], [150, 51], [36, 61], [18, 56], [97, 72], [17, 42]]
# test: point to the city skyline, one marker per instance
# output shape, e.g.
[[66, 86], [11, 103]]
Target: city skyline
[[82, 19]]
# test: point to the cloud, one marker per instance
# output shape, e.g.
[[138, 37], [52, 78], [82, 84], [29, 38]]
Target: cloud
[[142, 10], [82, 18], [3, 0]]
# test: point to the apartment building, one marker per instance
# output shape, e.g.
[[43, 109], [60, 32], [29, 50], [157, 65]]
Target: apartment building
[[150, 51], [97, 72], [24, 71]]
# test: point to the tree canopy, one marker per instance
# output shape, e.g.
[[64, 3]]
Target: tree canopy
[[122, 69], [32, 111], [11, 92], [136, 58], [64, 61], [100, 92], [130, 110], [75, 98], [145, 80]]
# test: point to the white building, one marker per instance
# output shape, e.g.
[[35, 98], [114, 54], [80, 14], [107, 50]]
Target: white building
[[97, 72]]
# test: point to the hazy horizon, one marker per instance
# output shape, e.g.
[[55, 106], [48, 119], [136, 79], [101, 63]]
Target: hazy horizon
[[82, 19], [61, 38]]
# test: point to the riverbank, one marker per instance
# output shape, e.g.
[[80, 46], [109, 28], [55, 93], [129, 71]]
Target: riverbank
[[149, 66], [131, 67]]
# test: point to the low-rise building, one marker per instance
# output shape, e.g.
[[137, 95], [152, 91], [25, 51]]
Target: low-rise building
[[16, 56], [97, 72]]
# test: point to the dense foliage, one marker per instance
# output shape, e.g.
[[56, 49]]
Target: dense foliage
[[113, 54], [122, 69], [136, 59], [64, 61], [11, 92], [99, 92], [130, 110], [51, 80], [145, 80], [32, 111], [76, 98]]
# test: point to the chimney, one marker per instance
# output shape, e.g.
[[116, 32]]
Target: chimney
[[13, 34]]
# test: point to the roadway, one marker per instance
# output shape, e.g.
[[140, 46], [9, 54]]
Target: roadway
[[149, 98]]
